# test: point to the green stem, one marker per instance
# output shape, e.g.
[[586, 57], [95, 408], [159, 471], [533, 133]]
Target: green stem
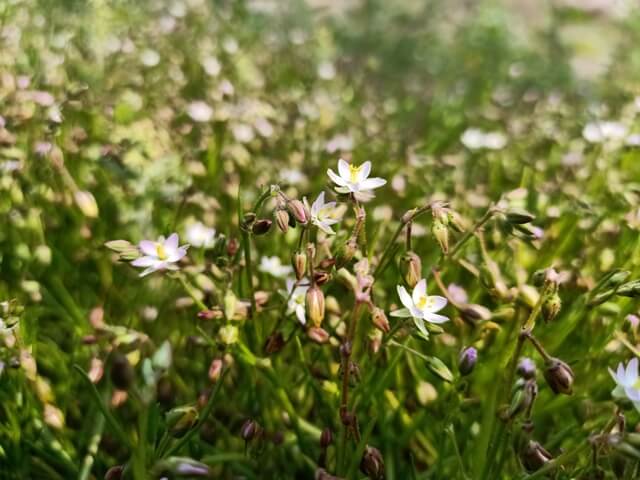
[[191, 292], [92, 449]]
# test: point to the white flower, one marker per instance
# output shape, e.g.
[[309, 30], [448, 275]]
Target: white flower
[[421, 306], [627, 382], [297, 298], [475, 139], [355, 179], [199, 111], [160, 255], [322, 214], [273, 266], [599, 132], [199, 235]]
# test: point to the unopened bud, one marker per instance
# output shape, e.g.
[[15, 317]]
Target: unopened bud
[[315, 305], [210, 314], [526, 368], [232, 247], [180, 420], [215, 369], [346, 252], [519, 216], [467, 360], [122, 374], [274, 343], [411, 268], [248, 219], [380, 320], [299, 211], [551, 307], [559, 376], [282, 220], [318, 335], [372, 464], [114, 473], [630, 289], [441, 234], [86, 203], [473, 312], [249, 430], [181, 467], [299, 263], [326, 438], [262, 226], [533, 456]]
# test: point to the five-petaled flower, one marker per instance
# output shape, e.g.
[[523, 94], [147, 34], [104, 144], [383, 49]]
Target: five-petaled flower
[[297, 298], [421, 306], [160, 255], [199, 235], [355, 179], [627, 382], [322, 214]]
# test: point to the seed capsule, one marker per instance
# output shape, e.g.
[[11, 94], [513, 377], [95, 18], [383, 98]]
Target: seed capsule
[[372, 463], [559, 376], [411, 268], [533, 456], [441, 234], [551, 307], [282, 220], [315, 305], [380, 320], [299, 211], [299, 263], [262, 226], [318, 335]]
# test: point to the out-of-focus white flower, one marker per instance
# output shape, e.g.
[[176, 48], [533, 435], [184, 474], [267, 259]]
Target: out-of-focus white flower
[[273, 266], [599, 132], [421, 306], [149, 58], [355, 179], [340, 142], [199, 111], [322, 214], [160, 255], [627, 382], [292, 176], [326, 71], [199, 235], [633, 140], [242, 132], [211, 66], [475, 139], [297, 299]]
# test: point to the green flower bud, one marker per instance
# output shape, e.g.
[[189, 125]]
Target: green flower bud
[[551, 307], [411, 268], [180, 420]]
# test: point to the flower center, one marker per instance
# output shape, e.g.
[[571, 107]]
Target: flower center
[[161, 252], [353, 173], [424, 302]]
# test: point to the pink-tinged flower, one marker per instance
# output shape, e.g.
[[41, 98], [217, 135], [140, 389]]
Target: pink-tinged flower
[[160, 255], [421, 306], [627, 382], [297, 300], [355, 179], [322, 214]]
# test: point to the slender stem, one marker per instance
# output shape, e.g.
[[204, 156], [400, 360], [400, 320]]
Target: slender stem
[[191, 292], [92, 449], [460, 243], [246, 241]]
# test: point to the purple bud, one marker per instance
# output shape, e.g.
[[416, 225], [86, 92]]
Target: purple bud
[[526, 368], [467, 360]]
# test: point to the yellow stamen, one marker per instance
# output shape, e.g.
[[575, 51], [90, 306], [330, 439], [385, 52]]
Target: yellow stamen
[[425, 302], [353, 172], [161, 252]]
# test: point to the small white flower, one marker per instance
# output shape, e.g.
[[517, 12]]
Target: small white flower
[[322, 214], [160, 255], [475, 139], [199, 111], [421, 306], [355, 179], [599, 132], [297, 299], [199, 235], [273, 266], [627, 382]]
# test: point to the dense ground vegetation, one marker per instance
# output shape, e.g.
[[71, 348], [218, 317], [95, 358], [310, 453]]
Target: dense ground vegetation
[[292, 337]]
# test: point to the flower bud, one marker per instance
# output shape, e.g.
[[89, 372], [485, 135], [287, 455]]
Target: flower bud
[[299, 211], [86, 203], [630, 289], [274, 343], [372, 464], [526, 368], [551, 307], [122, 374], [533, 456], [299, 262], [232, 247], [249, 430], [326, 438], [467, 360], [262, 226], [181, 467], [315, 305], [473, 312], [247, 220], [559, 376], [114, 473], [441, 234], [318, 335], [210, 314], [519, 216], [379, 319], [320, 277], [180, 420], [282, 220], [411, 268], [215, 369]]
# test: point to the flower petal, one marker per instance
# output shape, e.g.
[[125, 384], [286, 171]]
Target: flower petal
[[371, 183], [631, 373], [317, 205], [343, 169], [365, 170], [171, 243], [145, 261], [149, 270], [401, 313], [419, 291], [405, 298], [632, 394], [300, 314], [419, 323], [436, 303], [620, 373], [435, 318], [336, 179], [177, 254], [148, 248]]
